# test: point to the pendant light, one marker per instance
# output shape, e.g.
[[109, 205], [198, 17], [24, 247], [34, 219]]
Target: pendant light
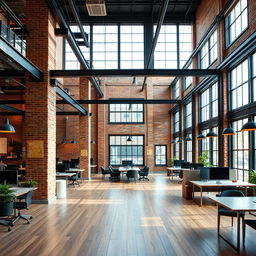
[[188, 138], [179, 140], [6, 127], [64, 141], [249, 126], [211, 134], [200, 136], [129, 138], [173, 141], [228, 131]]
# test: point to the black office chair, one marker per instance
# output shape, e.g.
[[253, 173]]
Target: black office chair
[[73, 180], [131, 174], [225, 212], [22, 205], [7, 222], [104, 172], [114, 173], [251, 223], [60, 168], [144, 173]]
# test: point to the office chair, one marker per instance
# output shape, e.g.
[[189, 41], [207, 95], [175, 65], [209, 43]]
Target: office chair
[[67, 164], [251, 223], [131, 174], [225, 212], [144, 173], [7, 222], [21, 205], [104, 172], [114, 173], [74, 180]]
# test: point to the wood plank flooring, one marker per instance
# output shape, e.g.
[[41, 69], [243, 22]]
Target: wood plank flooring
[[103, 218]]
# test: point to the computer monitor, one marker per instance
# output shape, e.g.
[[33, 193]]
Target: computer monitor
[[185, 165], [60, 168], [178, 162], [196, 165], [127, 163], [219, 173], [9, 176]]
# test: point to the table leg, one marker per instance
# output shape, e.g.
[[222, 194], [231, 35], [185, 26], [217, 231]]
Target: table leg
[[193, 192], [201, 196], [245, 191], [172, 175], [238, 231]]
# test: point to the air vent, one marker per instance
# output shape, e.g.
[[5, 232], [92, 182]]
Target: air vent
[[96, 7]]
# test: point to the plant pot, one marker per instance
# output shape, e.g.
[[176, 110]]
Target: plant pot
[[6, 209]]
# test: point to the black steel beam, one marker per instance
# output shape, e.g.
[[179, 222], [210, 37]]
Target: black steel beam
[[23, 62], [11, 73], [125, 101], [4, 102], [10, 114], [159, 25], [74, 11], [134, 72], [54, 6], [12, 109], [11, 88], [69, 100]]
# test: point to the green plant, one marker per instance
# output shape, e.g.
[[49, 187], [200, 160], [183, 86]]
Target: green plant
[[172, 160], [252, 177], [31, 183], [205, 159], [6, 194], [17, 148]]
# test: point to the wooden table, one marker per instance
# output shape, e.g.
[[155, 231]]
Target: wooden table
[[124, 169], [218, 184], [236, 204], [18, 191], [176, 168], [65, 175]]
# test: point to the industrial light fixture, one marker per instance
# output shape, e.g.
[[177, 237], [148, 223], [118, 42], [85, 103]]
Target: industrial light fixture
[[129, 139], [188, 138], [249, 126], [211, 134], [228, 131], [6, 127], [173, 141], [64, 141], [73, 141], [200, 136], [179, 140]]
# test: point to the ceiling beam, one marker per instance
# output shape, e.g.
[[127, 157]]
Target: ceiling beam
[[11, 74], [159, 24], [54, 6], [4, 102], [12, 109], [133, 72]]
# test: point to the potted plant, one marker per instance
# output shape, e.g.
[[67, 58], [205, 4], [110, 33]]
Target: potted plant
[[205, 159], [6, 200], [30, 183], [172, 160], [252, 179]]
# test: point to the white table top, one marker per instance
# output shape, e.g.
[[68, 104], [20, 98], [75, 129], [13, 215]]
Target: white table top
[[221, 183], [125, 169], [76, 170], [65, 174], [246, 203], [177, 168]]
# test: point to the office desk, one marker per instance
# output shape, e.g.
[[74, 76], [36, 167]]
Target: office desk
[[176, 168], [217, 184], [65, 175], [236, 204], [124, 169]]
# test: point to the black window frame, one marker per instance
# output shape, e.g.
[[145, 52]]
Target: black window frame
[[165, 146]]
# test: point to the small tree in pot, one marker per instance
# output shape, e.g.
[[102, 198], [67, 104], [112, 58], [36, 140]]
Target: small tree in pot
[[6, 200]]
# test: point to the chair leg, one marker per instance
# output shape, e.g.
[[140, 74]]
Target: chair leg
[[218, 222], [232, 221], [243, 223]]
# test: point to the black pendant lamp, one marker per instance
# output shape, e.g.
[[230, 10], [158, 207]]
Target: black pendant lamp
[[64, 141], [188, 138], [200, 136], [211, 134], [6, 127], [228, 131], [173, 141], [129, 138], [73, 142], [249, 126], [179, 140]]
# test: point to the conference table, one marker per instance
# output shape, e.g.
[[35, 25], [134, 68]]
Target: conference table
[[124, 169], [65, 175], [218, 184], [176, 168], [238, 205]]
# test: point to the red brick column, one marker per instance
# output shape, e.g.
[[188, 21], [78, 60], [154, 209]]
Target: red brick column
[[85, 129], [40, 119]]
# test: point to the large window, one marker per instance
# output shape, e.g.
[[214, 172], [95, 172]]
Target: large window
[[120, 149], [208, 53], [126, 113], [236, 22], [240, 150], [176, 122], [187, 80], [160, 155], [176, 90], [188, 115], [188, 149], [254, 76], [105, 46], [176, 149], [209, 103], [132, 46], [172, 38], [239, 89]]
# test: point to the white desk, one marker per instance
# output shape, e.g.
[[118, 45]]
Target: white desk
[[176, 168], [65, 175], [218, 184], [236, 204], [124, 169]]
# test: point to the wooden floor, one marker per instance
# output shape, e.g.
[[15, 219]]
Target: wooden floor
[[103, 218]]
